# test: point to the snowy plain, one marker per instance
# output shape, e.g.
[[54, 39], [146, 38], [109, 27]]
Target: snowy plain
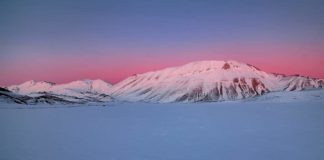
[[281, 126]]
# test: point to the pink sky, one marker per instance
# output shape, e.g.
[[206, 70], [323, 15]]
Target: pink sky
[[295, 59]]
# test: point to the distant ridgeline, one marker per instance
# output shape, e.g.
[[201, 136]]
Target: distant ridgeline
[[202, 81]]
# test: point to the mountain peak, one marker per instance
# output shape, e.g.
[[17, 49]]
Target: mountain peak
[[215, 63], [212, 65], [34, 82], [90, 82], [208, 70], [32, 85]]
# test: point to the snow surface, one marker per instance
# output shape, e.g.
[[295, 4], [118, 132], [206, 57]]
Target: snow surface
[[283, 126], [315, 95]]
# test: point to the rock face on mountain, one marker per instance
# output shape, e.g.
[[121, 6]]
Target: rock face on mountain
[[207, 81], [9, 97]]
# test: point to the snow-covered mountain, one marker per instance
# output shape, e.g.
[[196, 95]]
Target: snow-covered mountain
[[81, 91], [207, 81], [80, 86], [194, 82], [31, 86]]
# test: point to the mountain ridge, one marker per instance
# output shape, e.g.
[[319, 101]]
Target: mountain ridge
[[199, 81], [207, 81]]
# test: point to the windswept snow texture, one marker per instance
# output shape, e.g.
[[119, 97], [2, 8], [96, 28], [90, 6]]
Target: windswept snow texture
[[208, 81], [245, 130]]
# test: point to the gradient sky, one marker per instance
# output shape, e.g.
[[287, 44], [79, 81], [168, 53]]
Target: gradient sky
[[62, 40]]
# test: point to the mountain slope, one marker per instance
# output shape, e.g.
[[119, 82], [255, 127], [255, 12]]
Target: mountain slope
[[207, 81], [9, 97]]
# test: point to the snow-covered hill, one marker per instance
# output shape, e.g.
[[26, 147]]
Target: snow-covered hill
[[75, 87], [81, 91], [207, 81], [31, 87]]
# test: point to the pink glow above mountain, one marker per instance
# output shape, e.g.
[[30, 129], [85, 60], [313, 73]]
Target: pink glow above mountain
[[111, 40], [290, 59]]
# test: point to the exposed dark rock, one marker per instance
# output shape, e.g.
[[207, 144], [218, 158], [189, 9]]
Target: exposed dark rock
[[4, 89], [226, 66]]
